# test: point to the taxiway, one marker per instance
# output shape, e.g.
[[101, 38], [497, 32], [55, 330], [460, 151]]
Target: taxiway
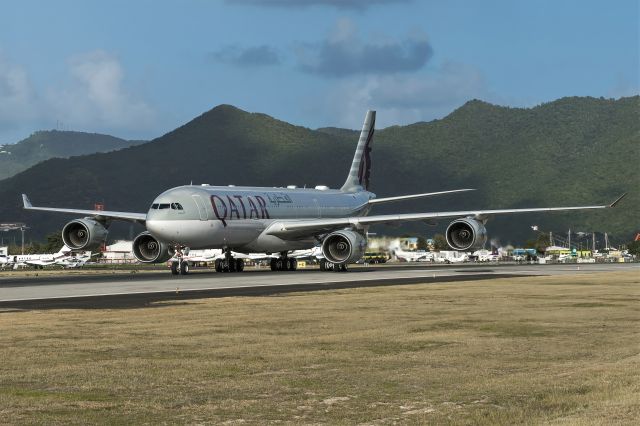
[[127, 289]]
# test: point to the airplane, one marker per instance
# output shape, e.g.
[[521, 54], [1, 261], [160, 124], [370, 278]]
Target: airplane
[[38, 261], [275, 220], [75, 261], [413, 256]]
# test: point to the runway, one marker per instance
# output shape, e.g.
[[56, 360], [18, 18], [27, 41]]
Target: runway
[[125, 290]]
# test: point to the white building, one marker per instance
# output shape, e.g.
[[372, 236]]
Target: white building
[[119, 252]]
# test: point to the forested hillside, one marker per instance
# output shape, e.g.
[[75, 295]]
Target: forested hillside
[[571, 151], [44, 145]]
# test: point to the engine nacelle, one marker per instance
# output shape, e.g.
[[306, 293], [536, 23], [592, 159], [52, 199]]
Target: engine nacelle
[[84, 234], [147, 249], [344, 247], [465, 234]]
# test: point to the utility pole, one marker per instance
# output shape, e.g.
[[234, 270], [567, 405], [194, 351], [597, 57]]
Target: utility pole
[[22, 231], [569, 240], [593, 242], [550, 238]]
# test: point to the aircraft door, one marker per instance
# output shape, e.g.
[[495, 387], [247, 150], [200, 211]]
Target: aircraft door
[[202, 210]]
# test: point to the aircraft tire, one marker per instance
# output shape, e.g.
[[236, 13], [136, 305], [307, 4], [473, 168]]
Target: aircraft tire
[[293, 264], [239, 265], [218, 265], [323, 264], [174, 268], [274, 264], [184, 268], [232, 265]]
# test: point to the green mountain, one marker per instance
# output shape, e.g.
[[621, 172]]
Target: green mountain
[[44, 145], [568, 152]]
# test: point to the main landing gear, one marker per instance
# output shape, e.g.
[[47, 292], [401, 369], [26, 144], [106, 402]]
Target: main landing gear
[[330, 266], [229, 263], [180, 266], [284, 263]]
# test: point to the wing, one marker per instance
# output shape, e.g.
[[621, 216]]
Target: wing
[[98, 214], [301, 228]]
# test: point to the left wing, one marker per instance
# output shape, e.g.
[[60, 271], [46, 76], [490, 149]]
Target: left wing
[[98, 214], [298, 228]]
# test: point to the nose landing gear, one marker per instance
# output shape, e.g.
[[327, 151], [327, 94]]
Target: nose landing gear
[[179, 266]]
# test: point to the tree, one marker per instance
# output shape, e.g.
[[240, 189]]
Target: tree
[[634, 248], [440, 242], [54, 243], [422, 243]]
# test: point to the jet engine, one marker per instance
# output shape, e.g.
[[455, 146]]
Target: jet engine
[[344, 247], [147, 249], [84, 234], [467, 233]]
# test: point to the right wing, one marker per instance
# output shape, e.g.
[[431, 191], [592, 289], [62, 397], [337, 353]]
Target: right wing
[[300, 228], [98, 214]]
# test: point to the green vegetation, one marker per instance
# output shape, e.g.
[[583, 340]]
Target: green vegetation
[[568, 152], [44, 145], [507, 351]]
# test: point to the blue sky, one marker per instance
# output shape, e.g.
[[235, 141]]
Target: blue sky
[[138, 69]]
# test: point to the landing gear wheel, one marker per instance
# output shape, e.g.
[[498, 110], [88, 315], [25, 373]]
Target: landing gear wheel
[[174, 268], [323, 264], [184, 268], [293, 264], [274, 264], [218, 265], [239, 265], [232, 265]]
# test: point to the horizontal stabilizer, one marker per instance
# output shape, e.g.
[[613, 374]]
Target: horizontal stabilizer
[[411, 197]]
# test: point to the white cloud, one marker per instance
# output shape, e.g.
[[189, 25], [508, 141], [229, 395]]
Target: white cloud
[[92, 98], [17, 97], [401, 99], [97, 97]]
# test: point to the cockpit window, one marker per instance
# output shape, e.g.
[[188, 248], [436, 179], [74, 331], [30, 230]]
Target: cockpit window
[[154, 206], [176, 206], [163, 206]]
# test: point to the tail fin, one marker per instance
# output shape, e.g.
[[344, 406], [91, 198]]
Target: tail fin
[[358, 178]]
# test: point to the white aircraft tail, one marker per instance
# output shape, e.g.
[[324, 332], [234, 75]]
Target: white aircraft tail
[[358, 178]]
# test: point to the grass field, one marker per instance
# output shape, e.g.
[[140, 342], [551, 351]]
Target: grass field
[[560, 350]]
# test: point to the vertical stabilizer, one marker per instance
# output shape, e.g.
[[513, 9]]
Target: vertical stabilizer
[[358, 178]]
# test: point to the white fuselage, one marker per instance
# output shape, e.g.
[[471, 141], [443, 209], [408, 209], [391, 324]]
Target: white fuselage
[[237, 217]]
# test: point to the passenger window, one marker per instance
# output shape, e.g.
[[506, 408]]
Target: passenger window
[[179, 206], [163, 206], [173, 206], [154, 206]]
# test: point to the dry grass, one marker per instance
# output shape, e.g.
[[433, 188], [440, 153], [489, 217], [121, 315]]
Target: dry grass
[[530, 350]]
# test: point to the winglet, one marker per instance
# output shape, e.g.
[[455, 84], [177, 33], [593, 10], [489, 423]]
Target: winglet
[[618, 200], [26, 203]]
